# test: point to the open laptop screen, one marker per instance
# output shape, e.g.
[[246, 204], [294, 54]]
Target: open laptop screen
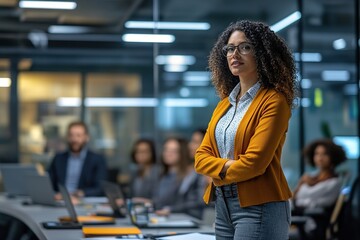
[[68, 204], [113, 193], [13, 177]]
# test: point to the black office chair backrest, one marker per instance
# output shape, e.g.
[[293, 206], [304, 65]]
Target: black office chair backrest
[[349, 219]]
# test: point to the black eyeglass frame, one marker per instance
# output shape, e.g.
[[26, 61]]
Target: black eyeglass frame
[[225, 49]]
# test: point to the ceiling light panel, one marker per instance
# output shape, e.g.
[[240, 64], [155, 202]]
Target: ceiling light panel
[[175, 59], [168, 25], [148, 38], [48, 5], [286, 21]]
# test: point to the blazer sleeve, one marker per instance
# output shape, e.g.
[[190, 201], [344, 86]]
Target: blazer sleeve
[[206, 162], [261, 150]]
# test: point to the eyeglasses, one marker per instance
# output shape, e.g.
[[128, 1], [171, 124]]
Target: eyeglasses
[[243, 48]]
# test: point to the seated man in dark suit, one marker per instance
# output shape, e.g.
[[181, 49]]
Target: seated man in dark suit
[[78, 169]]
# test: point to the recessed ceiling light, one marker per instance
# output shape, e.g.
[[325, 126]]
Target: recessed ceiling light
[[197, 76], [306, 83], [107, 102], [168, 25], [308, 57], [286, 21], [175, 68], [48, 5], [68, 29], [305, 102], [175, 59], [339, 44], [5, 82], [185, 102], [335, 75], [148, 38]]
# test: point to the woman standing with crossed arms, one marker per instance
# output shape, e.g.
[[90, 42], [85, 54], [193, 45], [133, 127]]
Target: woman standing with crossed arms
[[254, 74]]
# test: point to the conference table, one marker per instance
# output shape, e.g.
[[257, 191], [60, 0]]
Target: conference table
[[34, 215]]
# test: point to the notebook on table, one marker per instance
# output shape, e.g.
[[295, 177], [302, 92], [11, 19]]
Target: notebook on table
[[91, 231], [73, 220], [13, 176]]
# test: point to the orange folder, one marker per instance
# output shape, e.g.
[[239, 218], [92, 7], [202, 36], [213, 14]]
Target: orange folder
[[110, 231], [89, 219]]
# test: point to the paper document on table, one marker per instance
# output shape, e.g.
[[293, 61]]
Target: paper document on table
[[189, 236]]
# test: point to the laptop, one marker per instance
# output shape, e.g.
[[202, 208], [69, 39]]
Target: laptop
[[13, 176], [141, 219], [85, 220], [40, 190], [73, 221], [113, 192]]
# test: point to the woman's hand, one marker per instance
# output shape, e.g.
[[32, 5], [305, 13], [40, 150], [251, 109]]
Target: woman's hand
[[225, 168], [307, 179], [227, 165]]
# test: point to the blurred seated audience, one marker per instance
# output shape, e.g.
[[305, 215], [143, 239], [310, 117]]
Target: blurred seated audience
[[174, 160], [145, 176], [195, 142], [319, 190], [189, 196], [79, 169]]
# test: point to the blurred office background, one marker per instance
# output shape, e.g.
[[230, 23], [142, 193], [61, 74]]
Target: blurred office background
[[59, 65]]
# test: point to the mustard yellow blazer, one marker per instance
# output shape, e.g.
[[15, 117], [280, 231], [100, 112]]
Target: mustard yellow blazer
[[258, 145]]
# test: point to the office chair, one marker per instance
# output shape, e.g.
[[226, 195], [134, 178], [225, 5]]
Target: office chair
[[323, 217], [344, 223]]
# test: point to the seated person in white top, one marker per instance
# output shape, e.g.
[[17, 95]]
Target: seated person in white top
[[323, 188], [319, 190]]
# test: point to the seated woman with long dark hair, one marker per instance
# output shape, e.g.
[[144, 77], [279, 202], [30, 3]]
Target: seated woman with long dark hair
[[145, 177]]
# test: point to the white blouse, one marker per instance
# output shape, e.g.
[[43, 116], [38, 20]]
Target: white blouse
[[322, 194]]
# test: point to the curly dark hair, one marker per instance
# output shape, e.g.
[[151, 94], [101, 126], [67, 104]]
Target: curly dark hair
[[274, 60], [336, 153]]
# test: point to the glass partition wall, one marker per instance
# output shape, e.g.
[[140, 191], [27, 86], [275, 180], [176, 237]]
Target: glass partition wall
[[130, 90], [5, 130], [329, 83], [45, 109]]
